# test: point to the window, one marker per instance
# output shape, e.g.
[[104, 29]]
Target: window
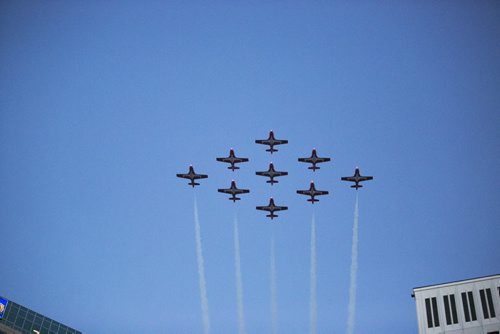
[[487, 303], [432, 312], [450, 308], [469, 307]]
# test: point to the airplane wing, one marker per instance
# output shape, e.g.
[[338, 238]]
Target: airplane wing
[[348, 178], [262, 173], [365, 178], [238, 160], [304, 192], [280, 208], [184, 176], [242, 191], [319, 160], [280, 141], [264, 208], [321, 192], [262, 141], [280, 173], [226, 191], [305, 159], [199, 176], [222, 159]]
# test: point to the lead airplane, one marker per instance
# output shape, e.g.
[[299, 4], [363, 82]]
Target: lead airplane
[[356, 178], [191, 175], [271, 207], [271, 173], [312, 192], [233, 190], [232, 159], [271, 141], [314, 159]]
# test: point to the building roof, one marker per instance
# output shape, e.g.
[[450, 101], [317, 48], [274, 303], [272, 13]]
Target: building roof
[[469, 280]]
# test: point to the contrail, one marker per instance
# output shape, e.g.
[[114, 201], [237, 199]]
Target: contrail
[[354, 271], [239, 284], [201, 272], [313, 301], [274, 302]]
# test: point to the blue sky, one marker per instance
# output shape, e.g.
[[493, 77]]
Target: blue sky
[[101, 104]]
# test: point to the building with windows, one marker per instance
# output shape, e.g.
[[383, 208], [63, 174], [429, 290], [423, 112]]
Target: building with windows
[[467, 307], [17, 319]]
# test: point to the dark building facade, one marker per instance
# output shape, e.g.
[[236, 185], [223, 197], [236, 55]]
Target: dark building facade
[[16, 319]]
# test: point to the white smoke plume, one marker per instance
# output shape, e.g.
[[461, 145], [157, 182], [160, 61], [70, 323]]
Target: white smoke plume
[[201, 272], [239, 284], [313, 310], [354, 271], [274, 297]]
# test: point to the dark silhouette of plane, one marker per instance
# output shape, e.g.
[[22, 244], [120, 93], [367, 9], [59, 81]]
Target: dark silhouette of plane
[[271, 207], [233, 190], [356, 178], [271, 141], [312, 192], [191, 175], [232, 159], [314, 159], [271, 173]]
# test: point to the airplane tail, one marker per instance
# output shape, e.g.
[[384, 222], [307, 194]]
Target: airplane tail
[[272, 215], [312, 200], [313, 168], [234, 199], [233, 168], [271, 150], [193, 184], [272, 181], [357, 186]]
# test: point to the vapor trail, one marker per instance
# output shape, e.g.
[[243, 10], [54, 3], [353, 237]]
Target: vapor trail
[[313, 301], [239, 284], [274, 302], [201, 272], [354, 271]]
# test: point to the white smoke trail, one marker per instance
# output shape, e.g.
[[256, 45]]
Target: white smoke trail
[[201, 272], [354, 271], [313, 301], [239, 284], [274, 297]]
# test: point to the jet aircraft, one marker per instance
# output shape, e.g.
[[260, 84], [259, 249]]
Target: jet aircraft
[[191, 175], [271, 141], [271, 173], [356, 178], [232, 159], [314, 159], [312, 192], [233, 190], [271, 207]]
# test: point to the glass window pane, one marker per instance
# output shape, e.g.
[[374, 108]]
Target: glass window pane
[[454, 309], [435, 312], [472, 306], [428, 311], [447, 310], [466, 307]]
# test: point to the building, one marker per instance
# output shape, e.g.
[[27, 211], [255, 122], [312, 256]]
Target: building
[[17, 319], [467, 307]]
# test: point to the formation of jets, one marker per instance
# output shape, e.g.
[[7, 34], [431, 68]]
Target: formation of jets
[[271, 173]]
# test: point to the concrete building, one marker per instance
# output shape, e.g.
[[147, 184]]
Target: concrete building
[[17, 319], [467, 307]]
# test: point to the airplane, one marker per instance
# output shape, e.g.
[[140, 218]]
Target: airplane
[[271, 173], [271, 207], [192, 176], [233, 190], [357, 178], [232, 159], [314, 159], [271, 141], [312, 192]]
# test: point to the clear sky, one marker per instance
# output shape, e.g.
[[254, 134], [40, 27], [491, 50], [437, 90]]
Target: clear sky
[[102, 103]]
